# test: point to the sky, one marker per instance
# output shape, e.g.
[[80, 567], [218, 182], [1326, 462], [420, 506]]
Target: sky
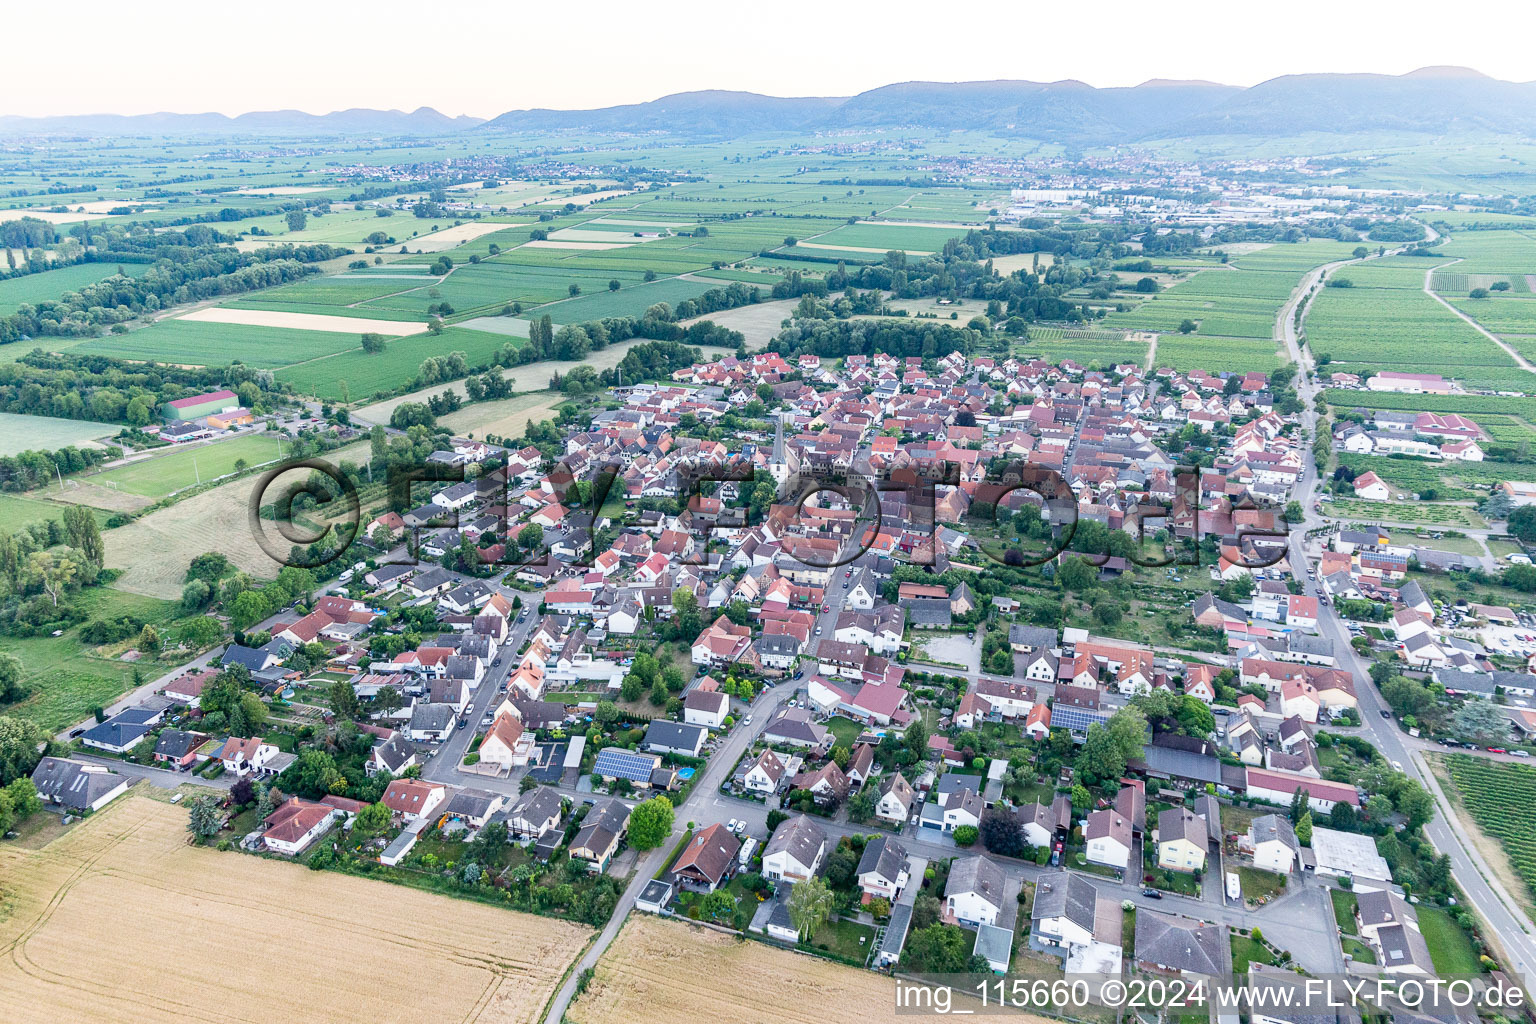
[[484, 58]]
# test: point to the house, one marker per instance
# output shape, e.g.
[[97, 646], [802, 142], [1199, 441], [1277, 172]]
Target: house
[[1040, 823], [794, 851], [394, 755], [414, 799], [828, 783], [1371, 487], [1277, 787], [895, 801], [1182, 839], [1066, 911], [534, 813], [973, 894], [600, 834], [793, 726], [1391, 925], [75, 786], [430, 723], [120, 733], [178, 748], [632, 765], [1181, 946], [1274, 843], [1107, 834], [242, 755], [665, 737], [506, 743], [706, 707], [765, 774], [707, 859], [292, 827], [995, 946], [882, 868], [956, 801]]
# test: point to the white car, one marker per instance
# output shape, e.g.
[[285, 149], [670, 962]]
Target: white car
[[732, 825], [747, 720]]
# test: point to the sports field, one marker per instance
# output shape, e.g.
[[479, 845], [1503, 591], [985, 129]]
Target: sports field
[[191, 929], [159, 475]]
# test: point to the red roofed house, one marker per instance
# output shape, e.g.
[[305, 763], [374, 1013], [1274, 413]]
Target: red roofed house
[[293, 826], [413, 798]]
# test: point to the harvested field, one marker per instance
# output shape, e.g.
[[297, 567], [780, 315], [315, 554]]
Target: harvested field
[[286, 190], [20, 433], [589, 246], [508, 417], [667, 972], [759, 322], [578, 235], [119, 919], [70, 217], [450, 238], [861, 248], [304, 321], [82, 492], [1006, 265]]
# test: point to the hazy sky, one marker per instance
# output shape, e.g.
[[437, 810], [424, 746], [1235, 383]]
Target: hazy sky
[[485, 58]]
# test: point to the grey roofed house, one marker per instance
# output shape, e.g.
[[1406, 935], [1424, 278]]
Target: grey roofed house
[[1297, 642], [674, 736], [470, 803], [540, 714], [115, 733], [1065, 894], [1404, 948], [1035, 638], [895, 935], [1180, 944], [1182, 823], [884, 856], [178, 743], [794, 725], [394, 752], [1207, 601], [778, 645], [430, 580], [606, 819], [1271, 827], [929, 611], [994, 945], [1181, 764], [1209, 808], [539, 804], [800, 837], [1411, 594], [431, 718], [1382, 907], [251, 658], [976, 874], [73, 784], [461, 667]]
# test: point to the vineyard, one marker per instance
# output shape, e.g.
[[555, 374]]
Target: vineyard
[[1498, 794]]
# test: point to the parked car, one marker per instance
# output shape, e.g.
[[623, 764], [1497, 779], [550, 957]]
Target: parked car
[[1519, 753], [1497, 750], [1385, 713], [1151, 893]]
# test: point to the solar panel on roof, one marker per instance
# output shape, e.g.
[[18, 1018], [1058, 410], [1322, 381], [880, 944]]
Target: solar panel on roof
[[1075, 719], [624, 764]]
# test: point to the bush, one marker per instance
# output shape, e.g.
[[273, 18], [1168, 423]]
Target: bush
[[966, 835]]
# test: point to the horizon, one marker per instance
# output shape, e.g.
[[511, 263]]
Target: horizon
[[532, 59]]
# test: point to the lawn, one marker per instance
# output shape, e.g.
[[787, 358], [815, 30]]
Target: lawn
[[1247, 951], [847, 939], [1359, 951], [1258, 884], [1344, 910], [1449, 947], [161, 475], [845, 730]]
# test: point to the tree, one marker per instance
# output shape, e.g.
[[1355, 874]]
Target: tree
[[203, 816], [719, 906], [1076, 574], [19, 742], [531, 537], [318, 774], [1000, 662], [84, 534], [1194, 716], [613, 285], [916, 739], [370, 821], [1304, 829], [1481, 720], [1128, 728], [607, 713], [297, 219], [659, 692], [938, 949], [632, 687], [650, 823], [10, 678], [373, 343], [966, 835], [861, 806], [1100, 760], [1188, 327], [387, 700], [810, 904], [243, 791], [344, 699], [195, 595], [1522, 523], [1001, 832]]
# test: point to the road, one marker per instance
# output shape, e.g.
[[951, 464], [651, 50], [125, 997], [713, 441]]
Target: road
[[1507, 924]]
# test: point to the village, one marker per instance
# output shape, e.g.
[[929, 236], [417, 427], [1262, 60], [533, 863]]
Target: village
[[847, 719]]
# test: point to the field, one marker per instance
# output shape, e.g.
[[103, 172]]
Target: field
[[1497, 795], [175, 911], [153, 551], [303, 321], [190, 343], [20, 433], [159, 475], [66, 678], [1426, 513], [507, 417], [33, 288], [355, 374], [665, 972], [1387, 321]]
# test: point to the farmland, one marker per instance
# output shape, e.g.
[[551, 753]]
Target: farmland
[[1426, 513], [33, 288], [1497, 796], [191, 343], [660, 972], [30, 433], [355, 374], [174, 908]]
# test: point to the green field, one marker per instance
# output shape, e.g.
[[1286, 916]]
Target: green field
[[1497, 795], [161, 475], [357, 374], [66, 679], [884, 237], [626, 302], [198, 343], [51, 284], [20, 433], [1427, 513]]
